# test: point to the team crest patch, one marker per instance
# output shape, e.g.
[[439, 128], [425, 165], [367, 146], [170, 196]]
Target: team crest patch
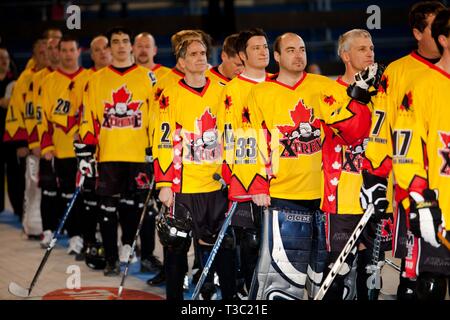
[[203, 145], [122, 112], [445, 153], [304, 136]]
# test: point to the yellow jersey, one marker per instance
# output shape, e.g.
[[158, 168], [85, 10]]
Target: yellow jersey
[[421, 138], [62, 96], [187, 147], [116, 113]]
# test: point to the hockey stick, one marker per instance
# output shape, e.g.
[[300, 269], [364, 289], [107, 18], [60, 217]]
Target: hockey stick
[[133, 246], [345, 252], [214, 251], [392, 265], [20, 291], [374, 280]]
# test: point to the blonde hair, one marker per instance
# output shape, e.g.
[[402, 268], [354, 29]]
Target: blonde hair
[[346, 38]]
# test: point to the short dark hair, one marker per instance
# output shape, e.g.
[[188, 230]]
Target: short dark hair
[[420, 11], [117, 30], [68, 38], [244, 36], [441, 26], [229, 45]]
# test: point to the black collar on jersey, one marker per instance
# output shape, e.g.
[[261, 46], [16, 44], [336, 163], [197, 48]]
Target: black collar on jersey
[[215, 70], [71, 75], [124, 69], [198, 89], [432, 61]]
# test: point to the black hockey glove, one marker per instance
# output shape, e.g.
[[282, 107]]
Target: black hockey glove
[[364, 80], [425, 216], [373, 190]]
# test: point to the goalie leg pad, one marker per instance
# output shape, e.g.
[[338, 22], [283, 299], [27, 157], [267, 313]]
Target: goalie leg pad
[[284, 255], [319, 255], [32, 222]]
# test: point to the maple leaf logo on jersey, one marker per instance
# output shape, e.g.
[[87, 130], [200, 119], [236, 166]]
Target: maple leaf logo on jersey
[[122, 112], [329, 100], [304, 136], [157, 93], [228, 102], [142, 180], [386, 229], [407, 102], [163, 102], [445, 153], [203, 145], [245, 115], [383, 84]]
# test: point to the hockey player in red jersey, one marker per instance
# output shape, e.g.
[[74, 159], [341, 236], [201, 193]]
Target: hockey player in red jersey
[[342, 180]]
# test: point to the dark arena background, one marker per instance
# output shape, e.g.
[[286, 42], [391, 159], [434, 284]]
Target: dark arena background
[[319, 22]]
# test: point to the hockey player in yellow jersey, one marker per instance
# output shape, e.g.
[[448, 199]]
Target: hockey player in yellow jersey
[[421, 165], [116, 121], [171, 78], [47, 176], [33, 117], [252, 50], [101, 57], [144, 51], [231, 65], [188, 154], [377, 163], [15, 135], [62, 94]]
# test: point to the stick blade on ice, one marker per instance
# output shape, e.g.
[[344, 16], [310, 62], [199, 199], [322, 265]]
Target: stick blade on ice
[[17, 290]]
